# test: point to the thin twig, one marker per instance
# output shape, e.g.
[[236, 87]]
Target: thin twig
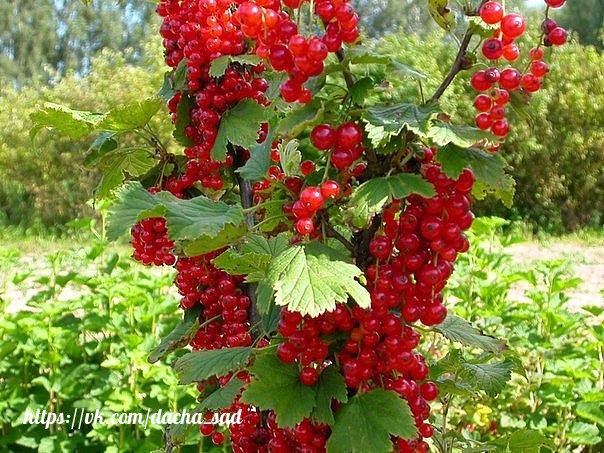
[[333, 233]]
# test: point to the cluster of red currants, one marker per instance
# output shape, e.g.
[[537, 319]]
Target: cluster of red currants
[[151, 243], [345, 144], [196, 33], [499, 83], [278, 38]]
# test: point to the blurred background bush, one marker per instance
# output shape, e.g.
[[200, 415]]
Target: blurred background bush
[[109, 52]]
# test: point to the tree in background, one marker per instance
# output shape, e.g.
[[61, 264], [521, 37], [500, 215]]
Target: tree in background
[[383, 16], [587, 19], [43, 39]]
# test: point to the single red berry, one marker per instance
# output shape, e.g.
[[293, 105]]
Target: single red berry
[[497, 112], [426, 430], [492, 75], [539, 68], [291, 90], [510, 79], [323, 137], [206, 429], [555, 3], [531, 83], [275, 156], [501, 97], [309, 376], [548, 25], [305, 226], [217, 438], [349, 134], [307, 167], [484, 121], [536, 53], [429, 391], [557, 36], [249, 14], [511, 52], [479, 81], [380, 247], [312, 198], [330, 189], [483, 103], [500, 128], [492, 49], [491, 12], [513, 25]]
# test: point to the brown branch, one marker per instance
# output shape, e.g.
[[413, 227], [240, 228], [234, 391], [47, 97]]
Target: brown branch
[[348, 78], [458, 64], [333, 233]]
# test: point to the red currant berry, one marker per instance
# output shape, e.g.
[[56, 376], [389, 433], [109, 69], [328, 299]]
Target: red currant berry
[[491, 12], [483, 103], [500, 128], [510, 79], [513, 25], [323, 137], [511, 52], [305, 226], [349, 134], [557, 36], [539, 68], [555, 3], [312, 198], [492, 49], [330, 189], [309, 376], [307, 167]]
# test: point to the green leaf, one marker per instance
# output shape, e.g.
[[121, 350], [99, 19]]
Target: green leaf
[[103, 144], [199, 222], [371, 196], [224, 396], [312, 278], [221, 64], [365, 56], [131, 116], [460, 330], [271, 246], [488, 168], [166, 91], [180, 336], [465, 136], [331, 385], [73, 123], [442, 15], [208, 243], [389, 121], [291, 157], [524, 441], [276, 386], [179, 79], [584, 434], [201, 365], [183, 119], [298, 119], [592, 411], [360, 90], [260, 159], [489, 377], [239, 126], [119, 163], [253, 265], [367, 421]]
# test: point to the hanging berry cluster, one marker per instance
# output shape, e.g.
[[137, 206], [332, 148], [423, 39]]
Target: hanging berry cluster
[[413, 242], [497, 81]]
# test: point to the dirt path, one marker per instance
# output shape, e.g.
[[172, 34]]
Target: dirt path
[[587, 263]]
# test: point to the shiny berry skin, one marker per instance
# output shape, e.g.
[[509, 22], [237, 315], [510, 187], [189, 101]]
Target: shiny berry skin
[[429, 391], [484, 121], [305, 226], [511, 52], [501, 97], [492, 75], [290, 90], [380, 247], [307, 167], [483, 103], [309, 376], [539, 68], [323, 137], [491, 12], [536, 53], [497, 112], [349, 134], [548, 25], [312, 198], [557, 36], [555, 3], [330, 189], [500, 128], [492, 49], [513, 25], [217, 438], [479, 81], [510, 79], [250, 14], [531, 83]]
